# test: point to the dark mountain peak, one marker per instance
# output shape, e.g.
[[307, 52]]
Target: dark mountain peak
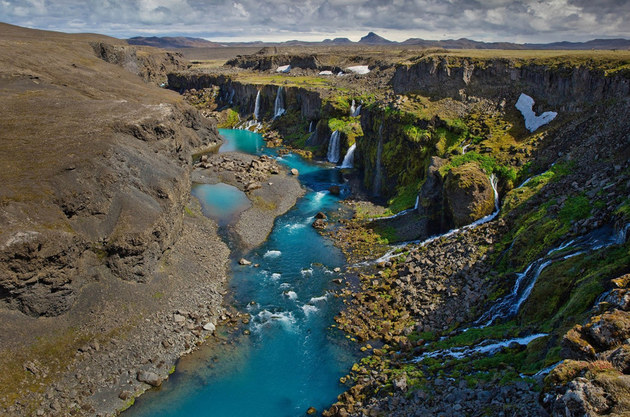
[[374, 39]]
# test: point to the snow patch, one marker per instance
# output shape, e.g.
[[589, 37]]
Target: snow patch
[[359, 69], [525, 105]]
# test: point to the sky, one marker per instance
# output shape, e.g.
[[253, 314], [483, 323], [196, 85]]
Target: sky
[[314, 20]]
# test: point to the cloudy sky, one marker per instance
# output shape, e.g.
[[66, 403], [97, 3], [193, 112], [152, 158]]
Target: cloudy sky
[[278, 20]]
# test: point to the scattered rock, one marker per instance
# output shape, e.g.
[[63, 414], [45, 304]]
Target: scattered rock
[[319, 224], [150, 378], [244, 261], [125, 395]]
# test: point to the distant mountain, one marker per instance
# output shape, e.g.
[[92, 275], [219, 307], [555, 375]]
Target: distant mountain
[[594, 44], [461, 43], [172, 42], [373, 39], [337, 41]]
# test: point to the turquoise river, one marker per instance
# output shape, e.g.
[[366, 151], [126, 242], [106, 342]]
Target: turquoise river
[[293, 358]]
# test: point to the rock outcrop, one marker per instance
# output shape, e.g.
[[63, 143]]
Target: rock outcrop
[[568, 88], [468, 195], [152, 65], [95, 192]]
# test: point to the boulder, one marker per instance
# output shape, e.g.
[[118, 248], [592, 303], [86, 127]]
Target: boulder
[[244, 261], [319, 224], [334, 190], [468, 194], [150, 378], [321, 215], [295, 172]]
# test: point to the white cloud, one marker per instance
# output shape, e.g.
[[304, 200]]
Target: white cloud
[[499, 20]]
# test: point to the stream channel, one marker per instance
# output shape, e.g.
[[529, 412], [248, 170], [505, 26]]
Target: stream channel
[[293, 359]]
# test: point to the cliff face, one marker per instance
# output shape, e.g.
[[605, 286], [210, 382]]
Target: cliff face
[[151, 64], [95, 174], [243, 96], [566, 88]]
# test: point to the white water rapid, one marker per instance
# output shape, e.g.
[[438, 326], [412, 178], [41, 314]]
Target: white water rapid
[[333, 147], [487, 347], [348, 160]]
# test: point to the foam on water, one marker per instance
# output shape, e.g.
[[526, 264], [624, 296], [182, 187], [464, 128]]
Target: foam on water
[[292, 295], [309, 309], [272, 254], [319, 299], [266, 318], [306, 272]]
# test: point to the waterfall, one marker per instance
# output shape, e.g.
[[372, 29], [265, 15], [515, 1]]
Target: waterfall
[[357, 112], [231, 97], [310, 127], [417, 202], [353, 108], [278, 108], [510, 305], [378, 175], [348, 160], [257, 106], [333, 147], [464, 149], [392, 253], [487, 347]]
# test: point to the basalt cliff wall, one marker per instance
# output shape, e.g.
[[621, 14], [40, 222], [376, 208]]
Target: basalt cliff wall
[[242, 96], [564, 86]]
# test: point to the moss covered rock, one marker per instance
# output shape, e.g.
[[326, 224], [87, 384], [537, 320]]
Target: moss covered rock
[[468, 194]]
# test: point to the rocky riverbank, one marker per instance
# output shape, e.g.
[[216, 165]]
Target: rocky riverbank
[[270, 188]]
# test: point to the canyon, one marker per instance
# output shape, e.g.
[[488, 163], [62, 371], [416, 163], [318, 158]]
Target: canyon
[[486, 256]]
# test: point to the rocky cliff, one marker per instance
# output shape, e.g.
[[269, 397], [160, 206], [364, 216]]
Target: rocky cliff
[[562, 84], [104, 189], [242, 96], [96, 167]]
